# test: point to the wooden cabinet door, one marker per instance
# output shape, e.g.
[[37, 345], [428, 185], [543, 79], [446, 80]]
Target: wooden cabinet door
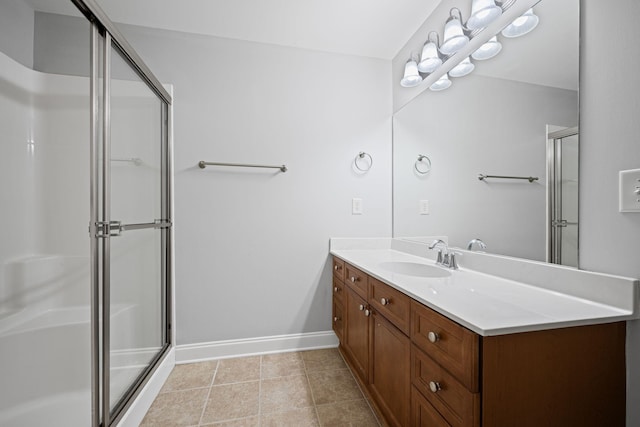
[[423, 414], [389, 370], [356, 332]]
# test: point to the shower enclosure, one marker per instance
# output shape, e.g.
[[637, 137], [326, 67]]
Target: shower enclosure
[[85, 250], [562, 192]]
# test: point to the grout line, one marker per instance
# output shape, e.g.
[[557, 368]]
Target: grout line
[[313, 398], [360, 389], [206, 401], [260, 394]]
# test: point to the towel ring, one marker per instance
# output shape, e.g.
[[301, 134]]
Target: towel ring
[[362, 155], [423, 164]]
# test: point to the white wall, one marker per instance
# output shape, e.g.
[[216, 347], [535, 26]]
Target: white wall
[[252, 245], [504, 134], [610, 129], [16, 31]]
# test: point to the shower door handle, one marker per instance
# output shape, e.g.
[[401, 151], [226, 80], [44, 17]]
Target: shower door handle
[[115, 228], [562, 223]]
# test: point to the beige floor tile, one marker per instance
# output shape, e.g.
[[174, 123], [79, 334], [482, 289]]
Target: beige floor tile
[[333, 386], [355, 413], [284, 394], [238, 370], [192, 375], [305, 417], [232, 401], [282, 364], [179, 408], [244, 422], [329, 358]]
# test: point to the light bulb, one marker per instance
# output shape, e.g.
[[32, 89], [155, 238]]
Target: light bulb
[[521, 25], [483, 12], [411, 76], [454, 37], [430, 60], [442, 83]]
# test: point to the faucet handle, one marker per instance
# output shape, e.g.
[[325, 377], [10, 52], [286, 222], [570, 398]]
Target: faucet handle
[[436, 243], [453, 264], [439, 260]]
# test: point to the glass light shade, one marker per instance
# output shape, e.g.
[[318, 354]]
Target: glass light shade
[[462, 69], [488, 50], [442, 83], [521, 25], [411, 76], [483, 12], [430, 60], [454, 37]]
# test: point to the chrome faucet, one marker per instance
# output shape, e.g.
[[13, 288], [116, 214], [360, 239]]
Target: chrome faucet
[[446, 257], [478, 242]]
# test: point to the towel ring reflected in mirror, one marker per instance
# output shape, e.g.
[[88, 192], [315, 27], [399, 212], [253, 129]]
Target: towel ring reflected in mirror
[[423, 164], [363, 161]]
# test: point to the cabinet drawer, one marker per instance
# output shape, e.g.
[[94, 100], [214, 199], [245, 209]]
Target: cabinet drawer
[[357, 280], [338, 290], [338, 319], [451, 345], [454, 402], [338, 269], [423, 414], [391, 303]]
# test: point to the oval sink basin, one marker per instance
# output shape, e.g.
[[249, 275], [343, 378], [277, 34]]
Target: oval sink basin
[[414, 269]]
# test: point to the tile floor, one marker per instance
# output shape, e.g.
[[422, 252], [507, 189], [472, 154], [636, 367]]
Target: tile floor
[[308, 388]]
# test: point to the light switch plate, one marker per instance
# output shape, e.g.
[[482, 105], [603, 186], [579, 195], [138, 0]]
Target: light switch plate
[[356, 206], [424, 207], [630, 190]]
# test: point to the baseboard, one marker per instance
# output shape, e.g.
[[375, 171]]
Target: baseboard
[[252, 346]]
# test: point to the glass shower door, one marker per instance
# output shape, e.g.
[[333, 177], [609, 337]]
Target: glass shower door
[[133, 232]]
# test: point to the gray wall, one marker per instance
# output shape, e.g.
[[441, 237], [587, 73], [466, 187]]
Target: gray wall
[[505, 134], [16, 31], [609, 135], [252, 245]]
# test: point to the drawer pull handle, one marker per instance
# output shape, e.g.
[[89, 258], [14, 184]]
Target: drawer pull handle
[[335, 267], [433, 337], [361, 307], [385, 301], [336, 289], [367, 313], [335, 319], [354, 279], [434, 386]]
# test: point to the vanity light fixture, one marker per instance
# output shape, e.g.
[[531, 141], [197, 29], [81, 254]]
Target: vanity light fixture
[[442, 83], [454, 35], [483, 12], [488, 50], [463, 68], [411, 75], [430, 59], [521, 25], [485, 15]]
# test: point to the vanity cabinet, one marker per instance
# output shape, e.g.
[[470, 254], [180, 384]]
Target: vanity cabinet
[[420, 368]]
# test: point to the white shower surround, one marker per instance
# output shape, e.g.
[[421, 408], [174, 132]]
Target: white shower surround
[[44, 259]]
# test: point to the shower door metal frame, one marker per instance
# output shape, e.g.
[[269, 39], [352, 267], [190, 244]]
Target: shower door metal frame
[[101, 227], [555, 223]]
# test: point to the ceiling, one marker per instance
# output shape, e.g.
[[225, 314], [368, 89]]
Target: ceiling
[[372, 28]]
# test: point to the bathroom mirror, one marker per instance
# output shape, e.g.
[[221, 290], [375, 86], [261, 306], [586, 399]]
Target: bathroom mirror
[[499, 120]]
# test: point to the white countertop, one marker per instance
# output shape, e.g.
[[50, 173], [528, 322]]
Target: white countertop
[[492, 305]]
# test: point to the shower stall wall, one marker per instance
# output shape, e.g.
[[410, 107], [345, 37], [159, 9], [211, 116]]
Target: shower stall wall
[[85, 253]]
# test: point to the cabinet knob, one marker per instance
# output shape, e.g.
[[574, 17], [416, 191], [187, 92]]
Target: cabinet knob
[[335, 319], [434, 386], [335, 289], [353, 279], [335, 267], [361, 307], [367, 313], [385, 301], [433, 337]]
